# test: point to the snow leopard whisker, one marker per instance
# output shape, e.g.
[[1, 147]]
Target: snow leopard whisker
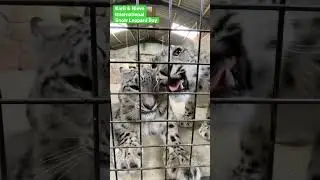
[[301, 51], [69, 169], [59, 155], [60, 165], [58, 152]]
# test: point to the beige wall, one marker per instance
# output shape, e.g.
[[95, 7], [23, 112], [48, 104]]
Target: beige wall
[[205, 41], [15, 36]]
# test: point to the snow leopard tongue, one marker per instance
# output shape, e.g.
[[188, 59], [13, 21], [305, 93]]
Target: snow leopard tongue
[[224, 78], [176, 86]]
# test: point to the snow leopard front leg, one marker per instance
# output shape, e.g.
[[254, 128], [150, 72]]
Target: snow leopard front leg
[[189, 113], [127, 158], [188, 116], [126, 136], [255, 146], [204, 129], [176, 155]]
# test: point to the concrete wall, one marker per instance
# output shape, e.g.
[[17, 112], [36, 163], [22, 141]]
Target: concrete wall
[[15, 36]]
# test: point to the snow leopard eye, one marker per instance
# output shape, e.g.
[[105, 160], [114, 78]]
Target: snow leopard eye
[[177, 52]]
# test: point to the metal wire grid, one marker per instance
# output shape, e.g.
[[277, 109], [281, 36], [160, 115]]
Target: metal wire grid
[[167, 93]]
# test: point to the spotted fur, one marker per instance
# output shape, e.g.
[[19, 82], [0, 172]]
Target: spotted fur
[[63, 133], [153, 108], [187, 75]]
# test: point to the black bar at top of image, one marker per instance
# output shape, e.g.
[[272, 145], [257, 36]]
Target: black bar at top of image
[[56, 3], [108, 101], [160, 29], [263, 101], [265, 7], [95, 92], [2, 146]]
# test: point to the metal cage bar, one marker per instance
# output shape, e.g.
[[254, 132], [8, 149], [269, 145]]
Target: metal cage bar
[[55, 3], [151, 146], [212, 100], [168, 96], [161, 29], [139, 77], [113, 144], [2, 146], [275, 90], [265, 7], [197, 79], [96, 129], [169, 120], [161, 167], [133, 62]]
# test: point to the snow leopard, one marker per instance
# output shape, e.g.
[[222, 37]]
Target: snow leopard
[[62, 134], [245, 135], [181, 77], [154, 107]]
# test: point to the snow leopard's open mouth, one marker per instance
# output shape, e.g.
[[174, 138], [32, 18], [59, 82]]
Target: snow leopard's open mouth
[[223, 77], [79, 82], [232, 76], [227, 79], [177, 84]]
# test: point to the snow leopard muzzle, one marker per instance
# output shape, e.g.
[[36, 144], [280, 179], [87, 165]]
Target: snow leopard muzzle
[[230, 69]]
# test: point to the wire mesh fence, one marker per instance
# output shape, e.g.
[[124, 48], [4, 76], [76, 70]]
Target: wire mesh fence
[[139, 63]]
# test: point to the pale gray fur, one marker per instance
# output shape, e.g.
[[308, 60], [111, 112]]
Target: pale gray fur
[[153, 107], [296, 124]]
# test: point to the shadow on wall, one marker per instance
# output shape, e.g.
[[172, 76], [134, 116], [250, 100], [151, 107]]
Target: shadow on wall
[[15, 84]]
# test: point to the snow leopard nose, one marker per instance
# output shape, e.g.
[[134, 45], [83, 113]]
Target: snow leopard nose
[[148, 101]]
